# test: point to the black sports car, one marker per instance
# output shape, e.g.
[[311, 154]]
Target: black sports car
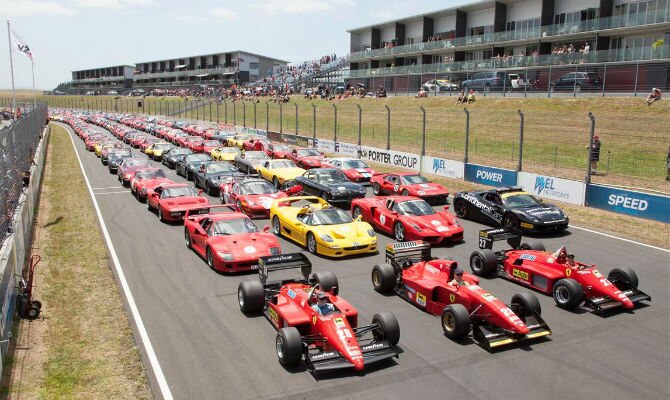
[[172, 156], [191, 163], [209, 175], [248, 161], [331, 185], [115, 157], [510, 207]]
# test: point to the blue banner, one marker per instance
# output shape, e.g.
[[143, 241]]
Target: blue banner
[[489, 176], [623, 201]]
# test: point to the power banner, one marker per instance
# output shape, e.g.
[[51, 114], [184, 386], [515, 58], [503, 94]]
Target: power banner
[[391, 158], [442, 167], [552, 188], [489, 175], [623, 201]]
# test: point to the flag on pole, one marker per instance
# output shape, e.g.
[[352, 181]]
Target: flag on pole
[[20, 45]]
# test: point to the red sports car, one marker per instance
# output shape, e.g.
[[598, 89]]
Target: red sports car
[[209, 145], [408, 218], [278, 150], [354, 169], [571, 284], [127, 169], [92, 140], [252, 196], [180, 137], [172, 200], [228, 241], [306, 157], [313, 322], [409, 184], [144, 180], [429, 284], [194, 143]]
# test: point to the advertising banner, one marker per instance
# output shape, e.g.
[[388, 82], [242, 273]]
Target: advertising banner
[[347, 149], [442, 167], [489, 175], [552, 188], [327, 146], [390, 158], [624, 201]]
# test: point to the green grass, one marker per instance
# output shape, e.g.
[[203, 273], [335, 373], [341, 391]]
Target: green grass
[[634, 137]]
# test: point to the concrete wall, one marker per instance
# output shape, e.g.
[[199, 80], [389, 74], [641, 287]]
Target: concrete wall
[[524, 10]]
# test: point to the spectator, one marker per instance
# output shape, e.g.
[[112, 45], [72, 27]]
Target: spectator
[[471, 96], [462, 97], [381, 92], [594, 153], [653, 96], [422, 93]]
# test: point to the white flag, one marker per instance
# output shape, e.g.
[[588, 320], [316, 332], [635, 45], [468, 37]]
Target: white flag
[[20, 45]]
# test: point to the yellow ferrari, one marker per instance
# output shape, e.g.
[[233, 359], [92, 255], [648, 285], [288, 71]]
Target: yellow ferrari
[[100, 145], [238, 140], [156, 150], [223, 153], [321, 228], [279, 171]]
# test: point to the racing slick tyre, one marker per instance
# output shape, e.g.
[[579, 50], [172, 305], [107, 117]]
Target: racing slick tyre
[[461, 209], [525, 304], [376, 189], [356, 212], [289, 346], [326, 280], [483, 262], [568, 294], [510, 221], [383, 278], [187, 237], [311, 243], [399, 232], [276, 226], [251, 297], [455, 321], [389, 328], [275, 182], [623, 278], [532, 246], [160, 214]]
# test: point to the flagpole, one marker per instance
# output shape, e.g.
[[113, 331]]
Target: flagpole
[[11, 68], [32, 65]]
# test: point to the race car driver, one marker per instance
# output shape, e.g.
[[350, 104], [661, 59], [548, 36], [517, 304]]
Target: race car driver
[[323, 305]]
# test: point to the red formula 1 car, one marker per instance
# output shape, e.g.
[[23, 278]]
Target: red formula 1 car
[[409, 184], [306, 157], [145, 180], [172, 200], [408, 218], [229, 241], [411, 273], [327, 335], [571, 285]]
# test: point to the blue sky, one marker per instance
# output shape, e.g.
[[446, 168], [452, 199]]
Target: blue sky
[[67, 35]]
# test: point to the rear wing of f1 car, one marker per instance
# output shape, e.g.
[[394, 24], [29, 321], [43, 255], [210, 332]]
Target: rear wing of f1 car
[[488, 236], [283, 262], [401, 254]]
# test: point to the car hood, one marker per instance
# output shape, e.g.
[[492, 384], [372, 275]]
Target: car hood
[[245, 245], [361, 171], [344, 186], [263, 199], [185, 202], [351, 231], [430, 187], [543, 212], [440, 222]]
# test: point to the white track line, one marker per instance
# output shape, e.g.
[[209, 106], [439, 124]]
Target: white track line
[[107, 187], [620, 238], [155, 365], [100, 193]]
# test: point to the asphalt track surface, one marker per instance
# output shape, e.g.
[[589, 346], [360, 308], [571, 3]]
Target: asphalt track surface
[[209, 350]]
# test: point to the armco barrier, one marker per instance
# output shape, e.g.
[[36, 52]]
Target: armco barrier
[[548, 187], [623, 201], [489, 175]]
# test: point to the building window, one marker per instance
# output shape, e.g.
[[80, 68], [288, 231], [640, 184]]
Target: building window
[[253, 65]]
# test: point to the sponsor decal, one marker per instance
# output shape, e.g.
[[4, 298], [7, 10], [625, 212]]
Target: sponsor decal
[[568, 272], [452, 297], [488, 297], [432, 269], [314, 320], [421, 299], [273, 316], [250, 249], [321, 356], [339, 323], [526, 225], [545, 186], [529, 257], [291, 293], [494, 215], [643, 205], [490, 176], [410, 289], [597, 273], [373, 346], [520, 274]]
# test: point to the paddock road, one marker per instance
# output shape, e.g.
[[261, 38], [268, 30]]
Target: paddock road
[[208, 349]]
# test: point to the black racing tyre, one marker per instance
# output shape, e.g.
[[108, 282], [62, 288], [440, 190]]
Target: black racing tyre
[[326, 280], [455, 321], [383, 278], [461, 209], [187, 237], [389, 328], [276, 226], [510, 221], [376, 189], [311, 243], [356, 212], [399, 232], [251, 297], [483, 262], [525, 304], [532, 246], [568, 294], [289, 346], [623, 278], [275, 182]]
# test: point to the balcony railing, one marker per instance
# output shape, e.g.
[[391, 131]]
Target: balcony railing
[[100, 79], [629, 20], [190, 72]]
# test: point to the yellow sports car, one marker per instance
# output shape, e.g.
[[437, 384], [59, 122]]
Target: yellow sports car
[[100, 145], [279, 171], [324, 230], [223, 153], [156, 150], [238, 140]]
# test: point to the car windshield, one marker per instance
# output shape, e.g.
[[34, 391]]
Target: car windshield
[[121, 153], [330, 216], [308, 152], [521, 200], [211, 143], [179, 151], [280, 147], [348, 164], [134, 162], [234, 226], [255, 155], [196, 157], [257, 187], [282, 164], [229, 150], [413, 179], [415, 207], [156, 173], [330, 176], [162, 146], [219, 167], [179, 192], [194, 139]]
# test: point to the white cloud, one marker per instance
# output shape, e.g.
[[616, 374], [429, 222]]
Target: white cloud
[[15, 8], [299, 6], [183, 18], [113, 3], [221, 12]]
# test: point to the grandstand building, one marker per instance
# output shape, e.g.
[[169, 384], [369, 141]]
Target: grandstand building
[[543, 39], [105, 79]]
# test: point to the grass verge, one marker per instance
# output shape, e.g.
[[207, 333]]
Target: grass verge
[[82, 346]]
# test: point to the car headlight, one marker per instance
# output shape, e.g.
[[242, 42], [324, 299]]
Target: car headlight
[[274, 251], [326, 238], [372, 232], [226, 256]]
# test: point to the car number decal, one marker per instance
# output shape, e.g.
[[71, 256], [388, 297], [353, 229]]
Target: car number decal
[[520, 274]]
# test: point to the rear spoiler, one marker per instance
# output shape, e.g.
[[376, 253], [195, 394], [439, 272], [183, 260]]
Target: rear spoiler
[[413, 251], [200, 210], [488, 236], [281, 262]]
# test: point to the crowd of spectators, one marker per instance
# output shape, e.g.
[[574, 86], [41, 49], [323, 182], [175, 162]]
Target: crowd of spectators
[[296, 72], [569, 54]]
